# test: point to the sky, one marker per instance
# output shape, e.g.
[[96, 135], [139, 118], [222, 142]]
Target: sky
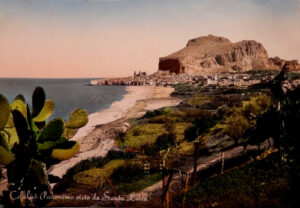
[[114, 38]]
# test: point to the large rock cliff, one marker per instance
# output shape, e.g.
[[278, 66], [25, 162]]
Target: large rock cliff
[[211, 54]]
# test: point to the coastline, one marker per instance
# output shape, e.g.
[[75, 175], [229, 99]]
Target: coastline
[[97, 137]]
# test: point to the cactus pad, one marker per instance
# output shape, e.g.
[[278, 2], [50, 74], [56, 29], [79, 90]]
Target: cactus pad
[[52, 131], [4, 111], [66, 153], [6, 156], [46, 111]]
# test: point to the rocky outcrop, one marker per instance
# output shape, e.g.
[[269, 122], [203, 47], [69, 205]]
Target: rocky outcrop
[[171, 65], [211, 54], [291, 66], [276, 63]]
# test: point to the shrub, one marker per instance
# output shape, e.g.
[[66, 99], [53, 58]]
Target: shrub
[[244, 117], [96, 176], [87, 164], [198, 100], [151, 114], [200, 126], [149, 133], [139, 184], [164, 141]]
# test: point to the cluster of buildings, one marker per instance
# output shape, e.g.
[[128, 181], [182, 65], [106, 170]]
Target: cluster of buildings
[[242, 80], [163, 78]]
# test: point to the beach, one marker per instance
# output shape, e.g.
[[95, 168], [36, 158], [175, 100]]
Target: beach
[[97, 137]]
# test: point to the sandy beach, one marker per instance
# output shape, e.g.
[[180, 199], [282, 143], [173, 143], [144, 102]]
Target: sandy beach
[[97, 137]]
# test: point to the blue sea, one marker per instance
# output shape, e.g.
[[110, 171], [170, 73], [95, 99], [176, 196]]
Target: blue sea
[[68, 94]]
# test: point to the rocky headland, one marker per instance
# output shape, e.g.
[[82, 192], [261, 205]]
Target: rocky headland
[[207, 60], [212, 54]]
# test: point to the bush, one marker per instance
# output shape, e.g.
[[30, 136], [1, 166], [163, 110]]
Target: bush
[[263, 183], [96, 176], [151, 114], [149, 133], [143, 134], [87, 164], [176, 116], [198, 100], [162, 142], [165, 141], [187, 90], [127, 174], [199, 127], [134, 178]]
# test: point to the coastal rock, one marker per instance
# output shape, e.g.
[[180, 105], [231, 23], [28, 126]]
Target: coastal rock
[[211, 54]]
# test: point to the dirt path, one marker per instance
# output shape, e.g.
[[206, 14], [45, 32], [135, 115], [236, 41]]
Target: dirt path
[[155, 190]]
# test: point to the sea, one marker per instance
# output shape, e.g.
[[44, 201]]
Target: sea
[[68, 94]]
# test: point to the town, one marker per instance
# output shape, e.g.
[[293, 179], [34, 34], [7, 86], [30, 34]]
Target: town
[[165, 78]]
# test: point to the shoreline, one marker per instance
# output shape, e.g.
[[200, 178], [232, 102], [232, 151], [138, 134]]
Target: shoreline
[[98, 136]]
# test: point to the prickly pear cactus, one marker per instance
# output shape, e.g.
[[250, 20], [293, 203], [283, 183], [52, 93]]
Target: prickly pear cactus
[[29, 145], [78, 119]]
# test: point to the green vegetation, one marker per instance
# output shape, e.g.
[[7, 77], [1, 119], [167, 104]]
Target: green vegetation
[[138, 184], [164, 139], [29, 145], [263, 183], [134, 178], [91, 163], [256, 74], [96, 176], [144, 134], [199, 126], [293, 76], [178, 116], [260, 87], [187, 90], [150, 114], [244, 117], [198, 100], [272, 180], [163, 142]]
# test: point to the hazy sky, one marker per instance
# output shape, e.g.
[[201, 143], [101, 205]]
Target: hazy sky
[[109, 38]]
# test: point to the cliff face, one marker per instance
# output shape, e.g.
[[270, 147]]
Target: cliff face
[[278, 63], [211, 54]]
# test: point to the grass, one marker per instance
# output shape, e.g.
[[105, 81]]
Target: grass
[[67, 180], [96, 176], [187, 90], [186, 148], [198, 100], [151, 114], [263, 183], [134, 178], [139, 184], [144, 134], [183, 116]]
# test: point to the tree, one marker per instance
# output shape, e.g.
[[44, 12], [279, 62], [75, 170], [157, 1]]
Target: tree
[[236, 127], [199, 126], [240, 123]]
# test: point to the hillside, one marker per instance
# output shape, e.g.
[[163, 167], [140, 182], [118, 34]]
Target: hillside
[[212, 54]]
